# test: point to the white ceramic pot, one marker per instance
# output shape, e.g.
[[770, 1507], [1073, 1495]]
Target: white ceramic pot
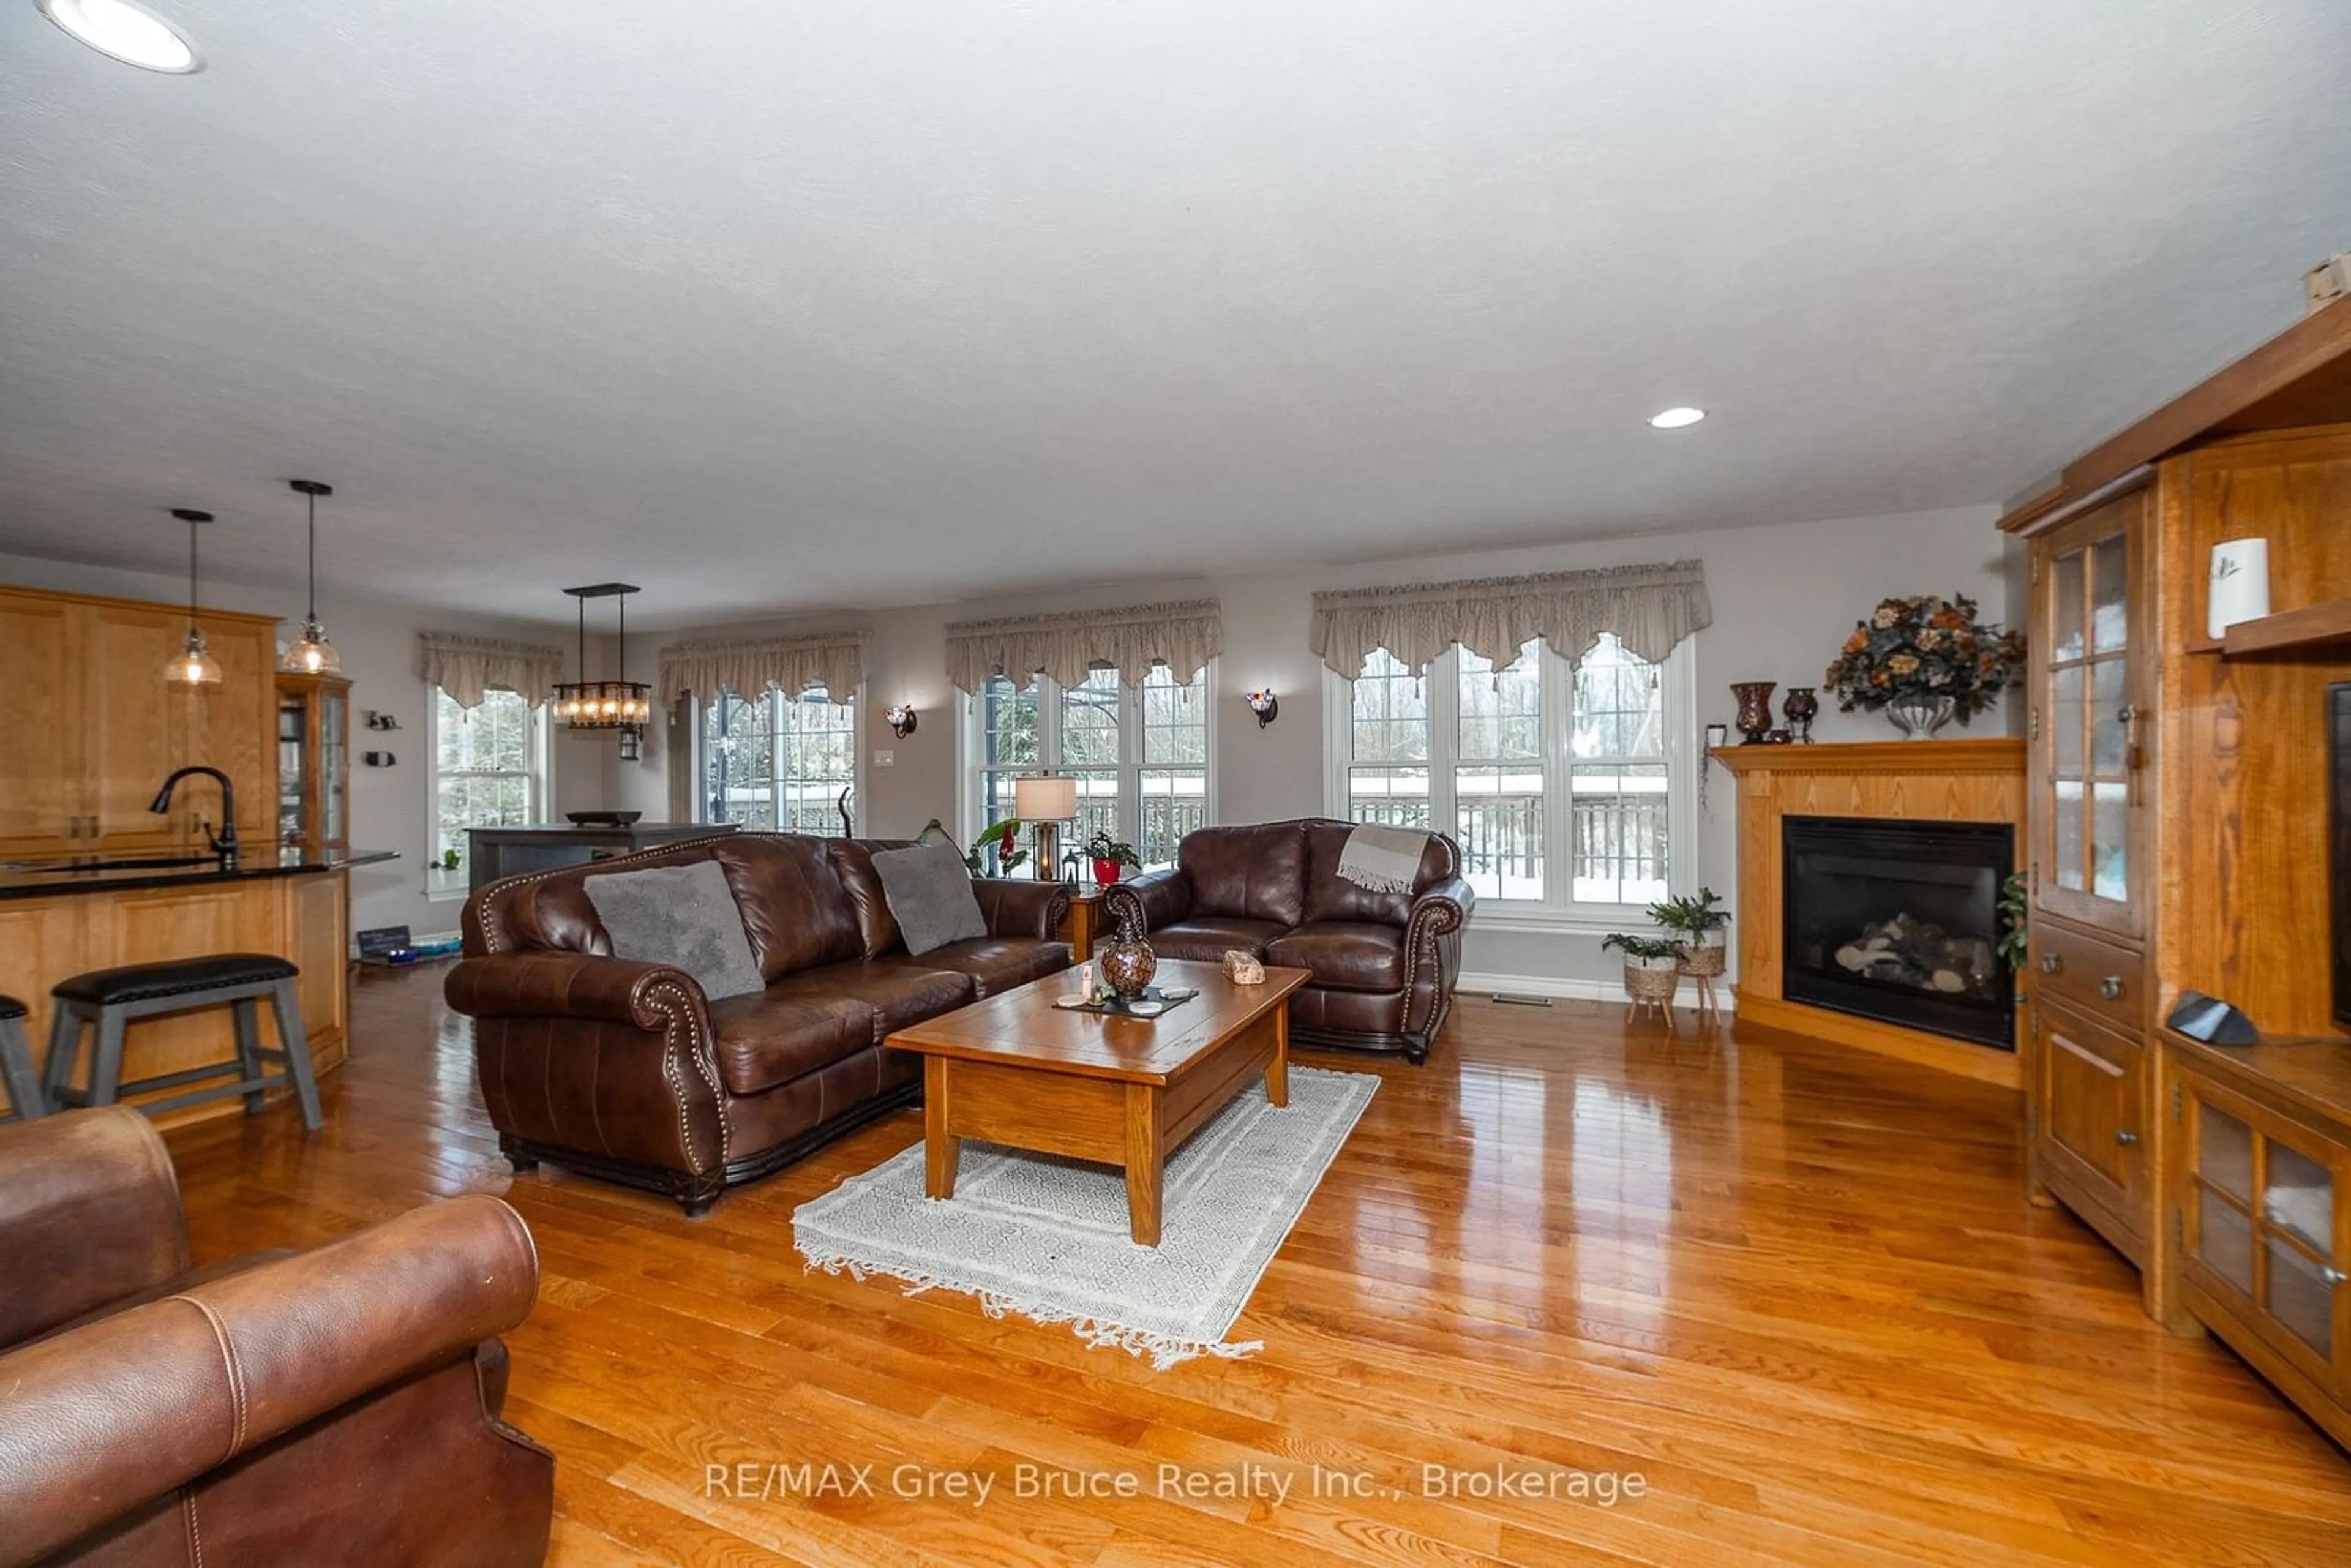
[[2240, 589]]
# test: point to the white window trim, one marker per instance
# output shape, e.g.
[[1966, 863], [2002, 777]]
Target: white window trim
[[1557, 914], [542, 789], [970, 748], [698, 715]]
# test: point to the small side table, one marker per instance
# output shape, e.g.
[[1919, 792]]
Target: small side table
[[1078, 926]]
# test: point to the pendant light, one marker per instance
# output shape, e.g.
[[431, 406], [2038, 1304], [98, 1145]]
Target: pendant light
[[313, 655], [621, 706], [192, 665]]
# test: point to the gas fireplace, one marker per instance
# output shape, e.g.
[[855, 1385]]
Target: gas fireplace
[[1898, 921]]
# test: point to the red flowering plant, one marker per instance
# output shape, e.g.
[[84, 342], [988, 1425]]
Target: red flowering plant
[[1925, 647]]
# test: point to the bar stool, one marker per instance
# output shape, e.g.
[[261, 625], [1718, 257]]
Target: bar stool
[[110, 999], [26, 1099]]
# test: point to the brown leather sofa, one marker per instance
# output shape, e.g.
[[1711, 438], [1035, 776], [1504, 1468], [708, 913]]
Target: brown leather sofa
[[1383, 963], [337, 1406], [625, 1070]]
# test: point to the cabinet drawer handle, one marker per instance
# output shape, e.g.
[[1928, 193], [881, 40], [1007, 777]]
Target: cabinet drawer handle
[[2123, 1137], [2111, 987], [2051, 963], [2085, 1054], [2333, 1276]]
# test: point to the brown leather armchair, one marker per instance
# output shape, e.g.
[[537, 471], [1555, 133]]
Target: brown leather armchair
[[1384, 963], [336, 1406]]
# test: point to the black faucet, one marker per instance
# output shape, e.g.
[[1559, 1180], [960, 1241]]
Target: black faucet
[[224, 843]]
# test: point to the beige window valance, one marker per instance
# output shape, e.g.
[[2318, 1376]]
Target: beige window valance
[[1650, 608], [1184, 635], [747, 667], [468, 667]]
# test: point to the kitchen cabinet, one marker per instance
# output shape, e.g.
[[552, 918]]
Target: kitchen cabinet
[[314, 760], [94, 729]]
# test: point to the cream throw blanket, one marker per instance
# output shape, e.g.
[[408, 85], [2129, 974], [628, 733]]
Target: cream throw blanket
[[1383, 860]]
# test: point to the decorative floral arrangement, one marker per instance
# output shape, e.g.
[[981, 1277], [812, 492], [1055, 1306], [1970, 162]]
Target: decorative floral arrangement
[[1925, 647]]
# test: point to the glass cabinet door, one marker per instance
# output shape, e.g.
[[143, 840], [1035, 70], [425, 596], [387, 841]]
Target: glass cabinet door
[[334, 769], [2087, 716], [2260, 1227], [293, 765], [2298, 1219], [314, 761], [2224, 1196]]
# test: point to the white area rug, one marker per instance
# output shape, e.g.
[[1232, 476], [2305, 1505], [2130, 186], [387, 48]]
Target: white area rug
[[1047, 1237]]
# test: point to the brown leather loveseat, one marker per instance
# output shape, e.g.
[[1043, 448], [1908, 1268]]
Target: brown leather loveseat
[[339, 1405], [626, 1070], [1383, 963]]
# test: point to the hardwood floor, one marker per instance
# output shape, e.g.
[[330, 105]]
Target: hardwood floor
[[1796, 1290]]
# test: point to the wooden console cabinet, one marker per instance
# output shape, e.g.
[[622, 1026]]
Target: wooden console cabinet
[[2262, 1190], [2178, 839]]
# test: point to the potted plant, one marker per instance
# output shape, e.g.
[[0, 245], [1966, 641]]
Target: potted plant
[[1924, 661], [994, 853], [1652, 967], [1697, 920], [1108, 854], [2015, 943]]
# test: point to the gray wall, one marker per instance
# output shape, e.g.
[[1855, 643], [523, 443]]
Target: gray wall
[[1784, 597], [390, 806]]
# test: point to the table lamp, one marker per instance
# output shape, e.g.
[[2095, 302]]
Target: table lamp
[[1046, 802]]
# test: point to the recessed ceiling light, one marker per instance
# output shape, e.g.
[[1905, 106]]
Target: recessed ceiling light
[[129, 33], [1675, 418]]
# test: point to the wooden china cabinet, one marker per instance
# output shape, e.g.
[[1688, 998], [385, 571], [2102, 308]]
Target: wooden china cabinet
[[2088, 864], [2179, 824], [314, 760]]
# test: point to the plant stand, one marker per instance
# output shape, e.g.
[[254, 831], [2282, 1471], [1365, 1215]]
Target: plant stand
[[1652, 990], [1704, 965]]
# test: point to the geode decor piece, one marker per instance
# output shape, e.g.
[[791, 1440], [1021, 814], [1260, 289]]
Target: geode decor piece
[[1128, 963]]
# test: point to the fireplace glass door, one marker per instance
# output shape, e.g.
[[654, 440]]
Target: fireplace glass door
[[1899, 921]]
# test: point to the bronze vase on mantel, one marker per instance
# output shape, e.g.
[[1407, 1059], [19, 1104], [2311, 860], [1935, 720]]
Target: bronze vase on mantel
[[1754, 720], [1802, 705]]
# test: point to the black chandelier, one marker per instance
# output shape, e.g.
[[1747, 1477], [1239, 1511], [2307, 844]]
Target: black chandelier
[[620, 706]]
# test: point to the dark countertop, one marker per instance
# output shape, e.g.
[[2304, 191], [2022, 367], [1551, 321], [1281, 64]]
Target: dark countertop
[[101, 874], [629, 830]]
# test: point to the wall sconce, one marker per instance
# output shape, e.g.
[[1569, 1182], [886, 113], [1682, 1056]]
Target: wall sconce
[[1265, 706], [901, 720]]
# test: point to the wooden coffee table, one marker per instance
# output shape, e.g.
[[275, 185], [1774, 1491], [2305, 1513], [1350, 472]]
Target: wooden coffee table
[[1018, 1070]]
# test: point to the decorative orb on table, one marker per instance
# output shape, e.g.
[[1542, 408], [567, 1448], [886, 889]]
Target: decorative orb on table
[[1128, 963]]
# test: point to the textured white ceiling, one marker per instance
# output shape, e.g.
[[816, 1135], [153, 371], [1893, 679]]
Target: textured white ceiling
[[777, 306]]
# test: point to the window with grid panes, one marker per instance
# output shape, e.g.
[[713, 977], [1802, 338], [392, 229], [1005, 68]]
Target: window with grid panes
[[1139, 755], [1554, 779]]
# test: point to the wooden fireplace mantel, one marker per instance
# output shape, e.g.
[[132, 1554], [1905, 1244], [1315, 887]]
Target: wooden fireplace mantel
[[1971, 780], [2002, 754]]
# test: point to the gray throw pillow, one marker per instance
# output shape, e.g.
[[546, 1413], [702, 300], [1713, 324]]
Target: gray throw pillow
[[929, 894], [683, 916]]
